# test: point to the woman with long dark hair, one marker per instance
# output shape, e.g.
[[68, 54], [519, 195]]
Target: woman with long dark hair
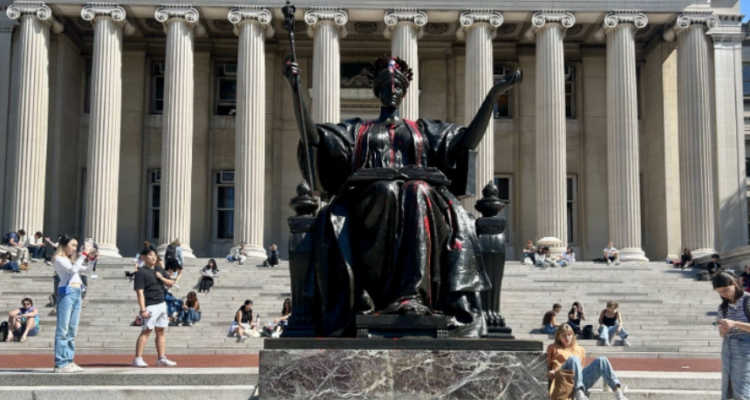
[[734, 328], [190, 312], [67, 266], [575, 316], [208, 273]]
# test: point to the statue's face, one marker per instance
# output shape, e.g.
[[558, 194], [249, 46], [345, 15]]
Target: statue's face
[[391, 93]]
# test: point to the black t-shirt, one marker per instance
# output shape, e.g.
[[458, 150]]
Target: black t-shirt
[[153, 289], [713, 266], [746, 276]]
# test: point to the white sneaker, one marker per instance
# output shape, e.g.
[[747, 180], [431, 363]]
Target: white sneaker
[[76, 367], [607, 343], [176, 286], [580, 395], [620, 395], [69, 369], [139, 363], [165, 362], [625, 343], [609, 262], [24, 261], [48, 263], [95, 276], [617, 262]]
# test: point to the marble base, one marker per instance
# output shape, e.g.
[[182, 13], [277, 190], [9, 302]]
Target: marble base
[[331, 374]]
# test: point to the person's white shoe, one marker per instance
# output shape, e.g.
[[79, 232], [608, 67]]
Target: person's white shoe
[[139, 363], [607, 343], [609, 262], [617, 262], [165, 362], [175, 286], [95, 276], [69, 369], [580, 395], [625, 343], [620, 395], [24, 261], [77, 367], [48, 263]]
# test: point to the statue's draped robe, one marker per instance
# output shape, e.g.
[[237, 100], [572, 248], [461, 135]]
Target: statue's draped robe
[[385, 242]]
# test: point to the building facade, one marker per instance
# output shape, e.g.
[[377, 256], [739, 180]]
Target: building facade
[[146, 121]]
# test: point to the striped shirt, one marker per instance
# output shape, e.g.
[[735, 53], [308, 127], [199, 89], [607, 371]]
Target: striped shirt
[[735, 312]]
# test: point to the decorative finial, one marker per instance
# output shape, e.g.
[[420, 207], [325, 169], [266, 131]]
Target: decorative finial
[[304, 203], [490, 205]]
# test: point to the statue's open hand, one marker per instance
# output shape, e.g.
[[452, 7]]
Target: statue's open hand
[[291, 71], [508, 82]]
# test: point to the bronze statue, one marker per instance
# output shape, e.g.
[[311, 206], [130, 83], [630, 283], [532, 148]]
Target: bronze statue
[[393, 239]]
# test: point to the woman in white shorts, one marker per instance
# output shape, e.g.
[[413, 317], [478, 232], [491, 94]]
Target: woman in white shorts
[[243, 325]]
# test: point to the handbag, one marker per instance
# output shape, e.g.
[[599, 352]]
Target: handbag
[[24, 267], [562, 386]]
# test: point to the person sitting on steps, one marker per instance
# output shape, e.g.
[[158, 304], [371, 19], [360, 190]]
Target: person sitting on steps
[[567, 258], [686, 259], [23, 321], [566, 354], [610, 324], [190, 311], [208, 273], [549, 322], [529, 252], [544, 259], [611, 254], [6, 263], [273, 256], [241, 254], [714, 267], [575, 316], [243, 325]]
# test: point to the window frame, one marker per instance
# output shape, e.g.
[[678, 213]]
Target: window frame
[[152, 92], [217, 183], [572, 219], [509, 94], [569, 76], [745, 95], [220, 76], [154, 180]]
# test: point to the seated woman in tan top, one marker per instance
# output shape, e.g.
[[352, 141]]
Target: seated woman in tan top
[[566, 354]]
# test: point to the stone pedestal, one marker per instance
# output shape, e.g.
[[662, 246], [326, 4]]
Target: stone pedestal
[[351, 369]]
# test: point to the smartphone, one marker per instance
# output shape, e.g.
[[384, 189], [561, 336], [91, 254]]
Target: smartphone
[[88, 245]]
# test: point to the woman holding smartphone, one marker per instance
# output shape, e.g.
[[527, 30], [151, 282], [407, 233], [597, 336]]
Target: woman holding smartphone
[[734, 328], [68, 265]]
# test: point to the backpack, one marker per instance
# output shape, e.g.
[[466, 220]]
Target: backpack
[[6, 238], [170, 255], [588, 332], [702, 276], [3, 331], [745, 307]]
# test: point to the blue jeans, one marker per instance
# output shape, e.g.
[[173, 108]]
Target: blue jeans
[[585, 378], [10, 266], [189, 315], [606, 332], [36, 252], [173, 304], [549, 329], [576, 328], [735, 367], [68, 314]]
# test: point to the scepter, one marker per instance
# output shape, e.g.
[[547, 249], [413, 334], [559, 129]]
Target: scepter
[[288, 10]]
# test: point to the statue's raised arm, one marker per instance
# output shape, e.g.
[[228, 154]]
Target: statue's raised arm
[[475, 131]]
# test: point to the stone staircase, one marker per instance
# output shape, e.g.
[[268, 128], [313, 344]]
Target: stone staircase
[[667, 314]]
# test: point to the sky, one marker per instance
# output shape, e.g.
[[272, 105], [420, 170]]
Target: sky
[[745, 8]]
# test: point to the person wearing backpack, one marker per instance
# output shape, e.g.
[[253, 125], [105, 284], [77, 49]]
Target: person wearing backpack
[[734, 329], [13, 239], [174, 262]]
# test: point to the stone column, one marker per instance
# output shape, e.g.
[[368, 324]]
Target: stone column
[[326, 26], [253, 26], [478, 28], [731, 191], [695, 131], [177, 132], [404, 28], [29, 141], [6, 44], [623, 180], [549, 30], [103, 162]]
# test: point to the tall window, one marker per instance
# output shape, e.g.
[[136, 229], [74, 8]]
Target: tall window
[[746, 81], [570, 92], [505, 188], [224, 204], [157, 88], [87, 95], [747, 159], [504, 104], [154, 202], [226, 89], [571, 211]]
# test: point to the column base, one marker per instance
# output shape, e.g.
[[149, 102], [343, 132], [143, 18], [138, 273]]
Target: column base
[[252, 252], [633, 254], [187, 252], [108, 251]]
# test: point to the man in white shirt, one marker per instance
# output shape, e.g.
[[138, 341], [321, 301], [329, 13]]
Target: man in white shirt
[[611, 254], [36, 246]]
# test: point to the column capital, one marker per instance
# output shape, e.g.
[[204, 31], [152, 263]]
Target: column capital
[[319, 15], [728, 31], [93, 11], [34, 8], [705, 20], [185, 12], [542, 18], [251, 14], [472, 18], [621, 18], [396, 16]]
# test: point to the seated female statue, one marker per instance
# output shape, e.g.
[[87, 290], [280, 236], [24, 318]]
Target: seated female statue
[[393, 239]]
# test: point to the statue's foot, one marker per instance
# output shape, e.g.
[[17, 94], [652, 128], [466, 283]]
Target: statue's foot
[[407, 307]]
